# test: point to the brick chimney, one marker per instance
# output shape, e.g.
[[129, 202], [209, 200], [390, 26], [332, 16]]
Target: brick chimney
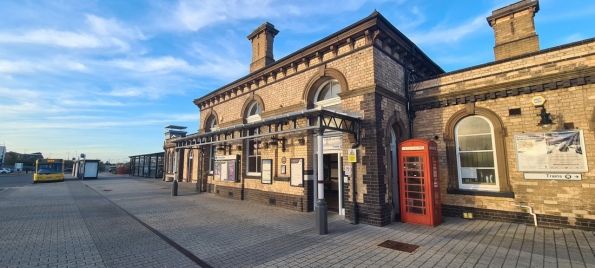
[[262, 46], [514, 29]]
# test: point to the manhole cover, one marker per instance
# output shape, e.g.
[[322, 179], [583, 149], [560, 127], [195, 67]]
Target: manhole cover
[[106, 190], [398, 246]]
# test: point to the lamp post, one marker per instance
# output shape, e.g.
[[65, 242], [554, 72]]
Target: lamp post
[[320, 207], [84, 167]]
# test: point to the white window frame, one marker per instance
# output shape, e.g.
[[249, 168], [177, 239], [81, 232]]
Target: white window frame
[[211, 124], [248, 156], [327, 102], [494, 187], [256, 116]]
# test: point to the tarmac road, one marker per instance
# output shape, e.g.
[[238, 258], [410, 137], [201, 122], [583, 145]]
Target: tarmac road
[[15, 179]]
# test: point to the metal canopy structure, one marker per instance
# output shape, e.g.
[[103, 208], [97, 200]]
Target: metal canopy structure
[[320, 119]]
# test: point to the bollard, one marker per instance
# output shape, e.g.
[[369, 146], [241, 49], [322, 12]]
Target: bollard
[[174, 188]]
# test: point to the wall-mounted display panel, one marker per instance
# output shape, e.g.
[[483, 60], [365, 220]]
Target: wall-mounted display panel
[[555, 151], [296, 171]]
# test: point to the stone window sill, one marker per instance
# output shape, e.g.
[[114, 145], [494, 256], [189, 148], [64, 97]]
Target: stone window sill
[[480, 193]]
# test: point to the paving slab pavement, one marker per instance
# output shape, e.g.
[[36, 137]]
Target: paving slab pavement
[[117, 222]]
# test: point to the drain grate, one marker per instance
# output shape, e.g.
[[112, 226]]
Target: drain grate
[[398, 246], [106, 190]]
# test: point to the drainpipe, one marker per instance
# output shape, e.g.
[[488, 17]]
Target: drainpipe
[[410, 112], [353, 176], [530, 212]]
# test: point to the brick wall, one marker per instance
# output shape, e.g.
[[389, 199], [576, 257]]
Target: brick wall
[[566, 71], [302, 203], [548, 221]]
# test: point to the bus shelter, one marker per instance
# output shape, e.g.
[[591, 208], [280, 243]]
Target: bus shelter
[[147, 165]]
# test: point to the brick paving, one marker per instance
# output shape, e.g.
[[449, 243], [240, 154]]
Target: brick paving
[[81, 223]]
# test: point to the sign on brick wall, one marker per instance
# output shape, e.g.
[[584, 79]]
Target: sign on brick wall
[[556, 151]]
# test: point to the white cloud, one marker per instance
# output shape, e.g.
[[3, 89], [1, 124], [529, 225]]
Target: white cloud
[[46, 65], [163, 64], [194, 15], [100, 33], [111, 27], [572, 38], [53, 38], [442, 34], [145, 92]]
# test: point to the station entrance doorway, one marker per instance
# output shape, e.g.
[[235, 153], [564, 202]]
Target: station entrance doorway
[[332, 173]]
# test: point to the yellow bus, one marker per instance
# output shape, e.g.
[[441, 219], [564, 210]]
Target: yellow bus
[[48, 170]]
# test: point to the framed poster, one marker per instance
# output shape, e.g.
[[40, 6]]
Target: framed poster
[[231, 171], [296, 171], [226, 168], [267, 171], [556, 151], [283, 170], [217, 171], [222, 170]]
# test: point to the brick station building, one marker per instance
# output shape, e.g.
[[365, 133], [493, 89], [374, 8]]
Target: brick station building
[[368, 87]]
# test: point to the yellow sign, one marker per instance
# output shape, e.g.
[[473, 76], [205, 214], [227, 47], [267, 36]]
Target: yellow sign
[[351, 156], [538, 100]]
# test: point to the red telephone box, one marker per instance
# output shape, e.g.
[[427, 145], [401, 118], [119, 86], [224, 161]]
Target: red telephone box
[[420, 183]]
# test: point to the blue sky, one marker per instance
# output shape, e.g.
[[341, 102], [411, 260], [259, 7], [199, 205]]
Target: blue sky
[[104, 77]]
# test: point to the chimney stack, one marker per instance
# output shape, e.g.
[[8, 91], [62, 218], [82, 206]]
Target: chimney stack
[[262, 46], [514, 29]]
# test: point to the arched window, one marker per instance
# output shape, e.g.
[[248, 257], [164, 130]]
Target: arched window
[[476, 154], [327, 93], [211, 123], [254, 111]]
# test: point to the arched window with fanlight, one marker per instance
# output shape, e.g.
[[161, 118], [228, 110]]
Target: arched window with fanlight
[[327, 93], [211, 123], [253, 154], [253, 112], [476, 154]]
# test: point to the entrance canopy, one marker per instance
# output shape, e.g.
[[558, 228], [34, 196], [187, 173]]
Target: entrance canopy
[[316, 119]]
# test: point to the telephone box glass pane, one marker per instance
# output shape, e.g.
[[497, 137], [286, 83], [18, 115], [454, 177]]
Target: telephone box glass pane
[[413, 180]]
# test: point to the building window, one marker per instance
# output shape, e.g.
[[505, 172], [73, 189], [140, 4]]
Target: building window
[[254, 111], [476, 154], [211, 124], [327, 93], [253, 154]]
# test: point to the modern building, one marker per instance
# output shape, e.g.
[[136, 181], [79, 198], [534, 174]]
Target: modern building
[[515, 137]]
